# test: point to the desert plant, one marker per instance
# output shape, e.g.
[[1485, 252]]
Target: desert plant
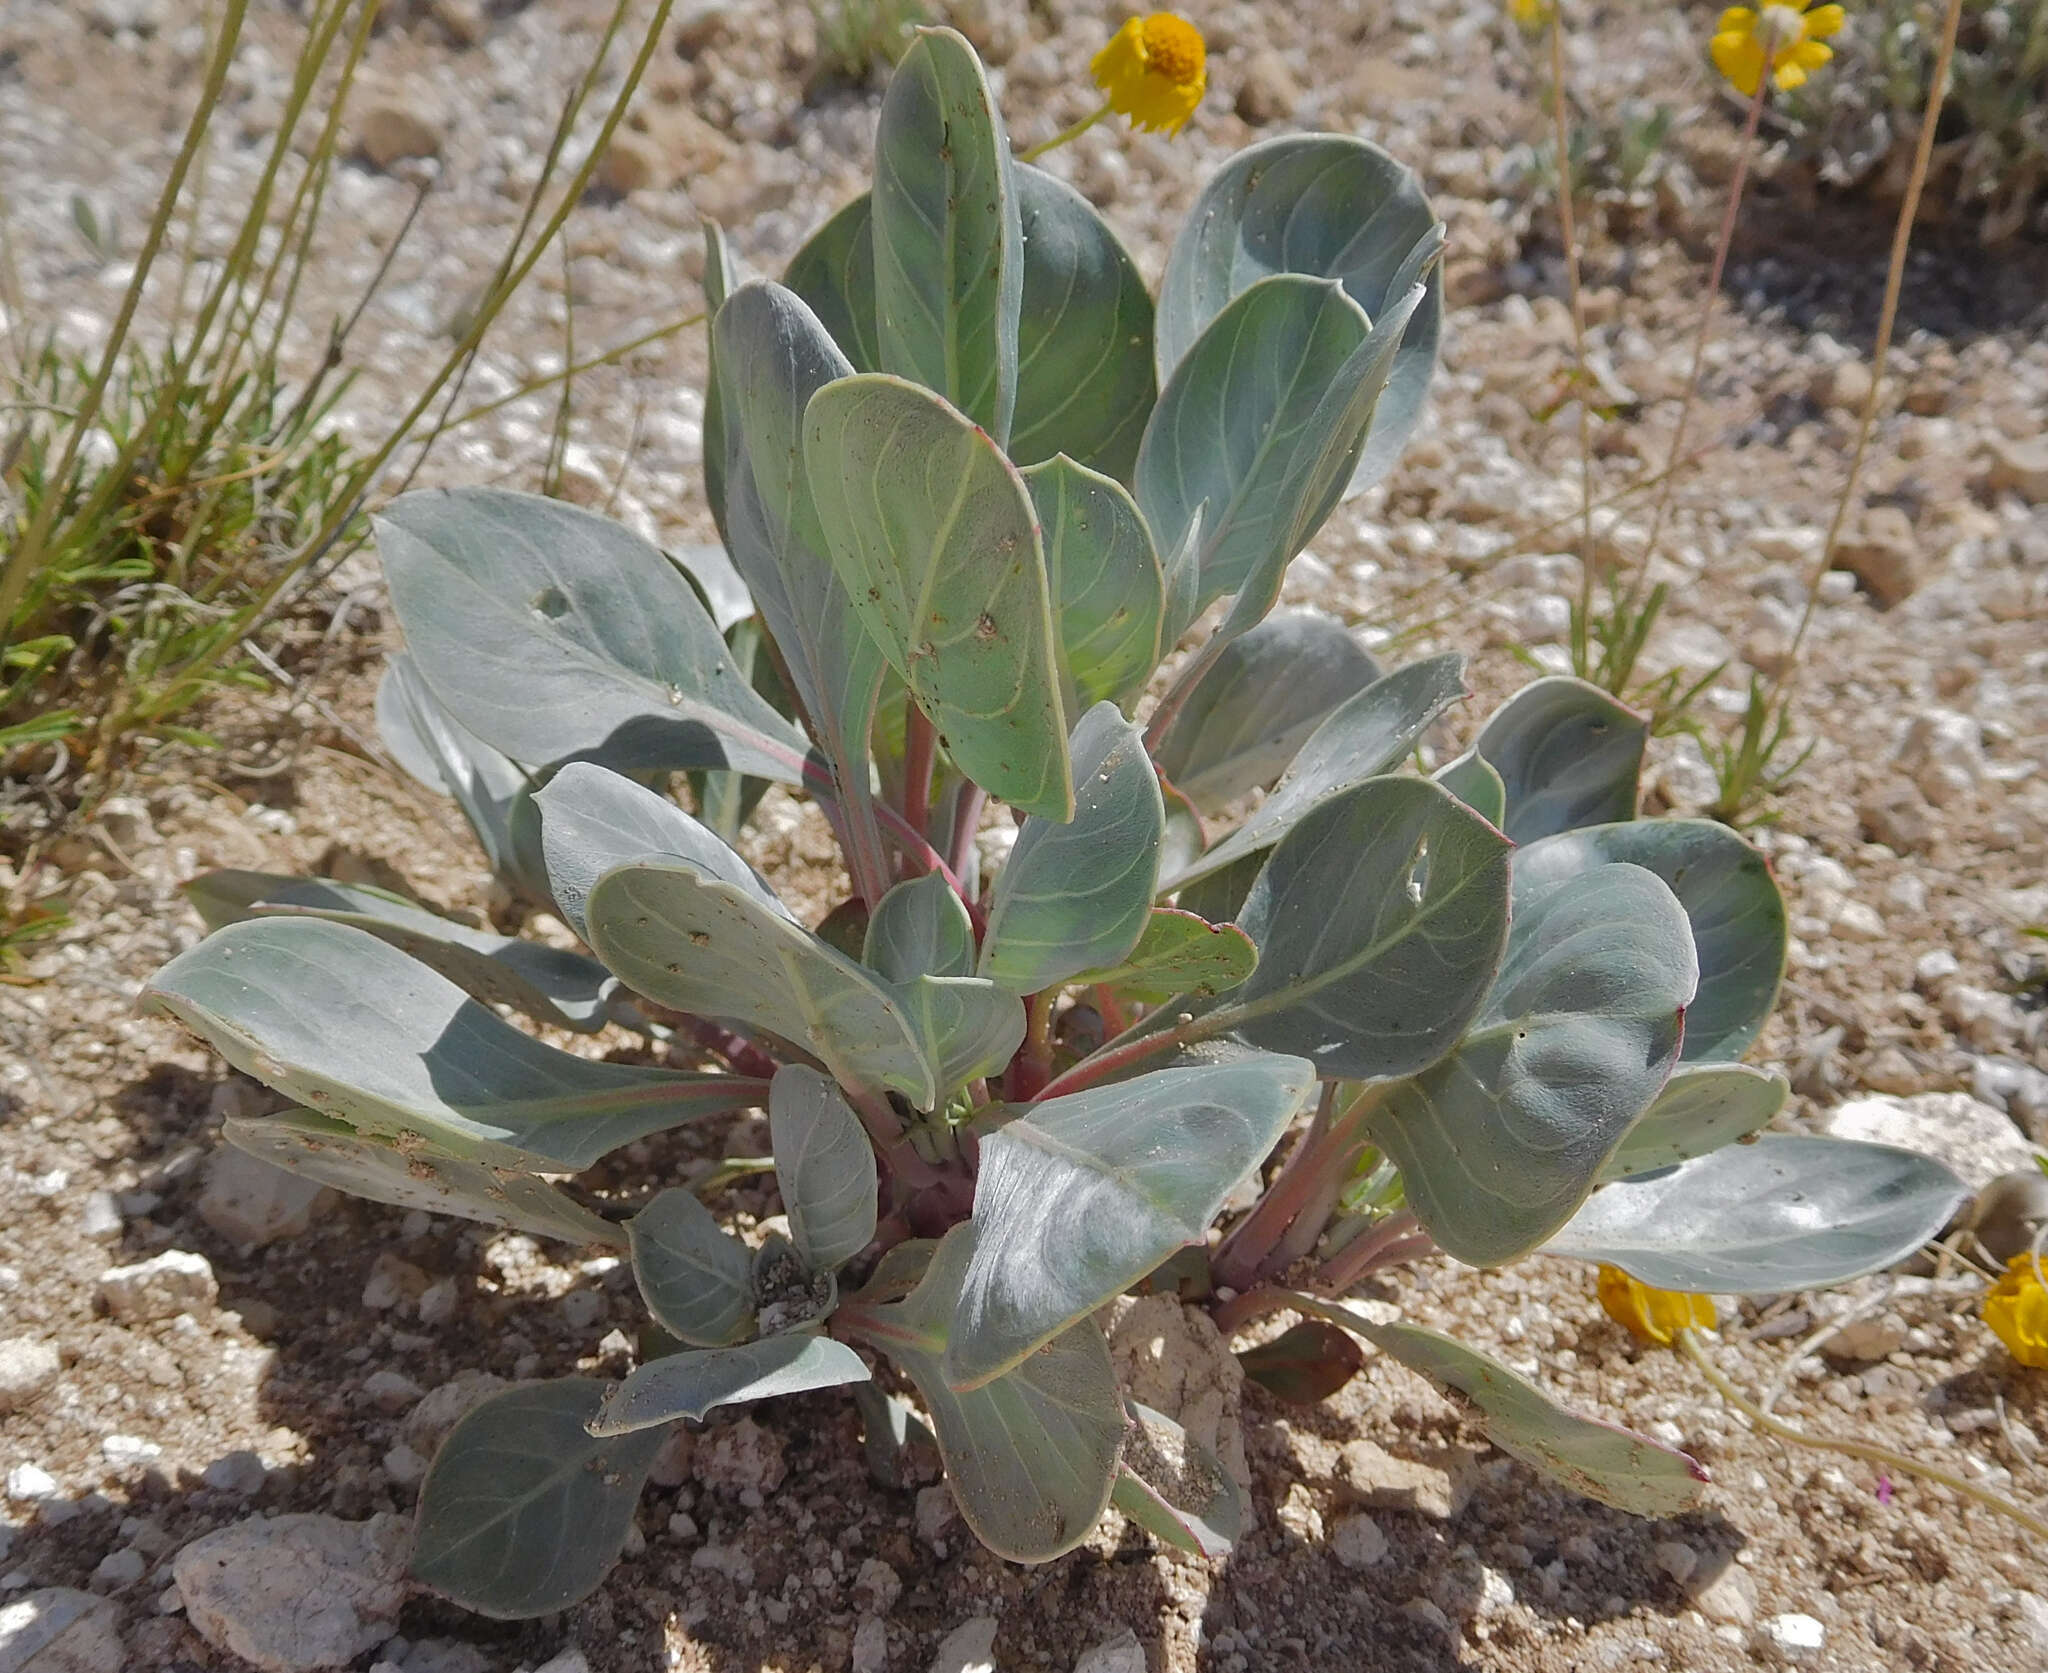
[[978, 485], [163, 499], [1992, 158]]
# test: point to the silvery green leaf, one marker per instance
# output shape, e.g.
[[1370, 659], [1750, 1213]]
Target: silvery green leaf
[[937, 544], [1602, 1460], [948, 245], [1500, 1141], [1702, 1107], [694, 1275], [1785, 1213], [1084, 334], [693, 1385], [721, 278], [1107, 590], [825, 1166], [1032, 1456], [593, 820], [969, 1027], [546, 983], [1262, 423], [345, 1023], [524, 1511], [1219, 897], [835, 274], [1363, 737], [1474, 782], [1321, 204], [1077, 895], [494, 792], [1379, 920], [719, 587], [1079, 1197], [334, 1153], [693, 939], [1084, 328], [920, 928], [1725, 886], [1568, 755], [774, 356], [1178, 953], [1175, 1489], [1256, 707], [550, 632]]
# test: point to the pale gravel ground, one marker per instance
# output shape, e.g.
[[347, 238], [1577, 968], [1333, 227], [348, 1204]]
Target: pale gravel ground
[[1457, 550]]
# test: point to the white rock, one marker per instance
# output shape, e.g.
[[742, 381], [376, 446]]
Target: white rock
[[126, 1451], [935, 1512], [1977, 1141], [100, 1218], [241, 1472], [120, 1568], [1944, 755], [1121, 1654], [177, 1281], [391, 1392], [870, 1645], [295, 1592], [571, 1660], [2018, 1088], [428, 1423], [739, 1458], [404, 1466], [391, 131], [877, 1586], [1931, 969], [1728, 1598], [249, 1201], [968, 1648], [1859, 922], [28, 1365], [1795, 1637], [31, 1483], [59, 1630], [1357, 1542], [1675, 1558]]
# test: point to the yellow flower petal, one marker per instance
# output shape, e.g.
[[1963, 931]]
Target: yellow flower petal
[[1810, 55], [1736, 20], [1740, 59], [2017, 1311], [1651, 1315], [1824, 20], [1154, 70], [1788, 76]]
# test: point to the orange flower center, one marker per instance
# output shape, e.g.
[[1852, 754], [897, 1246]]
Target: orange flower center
[[1173, 48]]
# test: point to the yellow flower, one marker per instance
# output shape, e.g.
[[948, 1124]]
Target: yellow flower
[[1783, 37], [1155, 70], [1652, 1315], [2017, 1309], [1530, 14]]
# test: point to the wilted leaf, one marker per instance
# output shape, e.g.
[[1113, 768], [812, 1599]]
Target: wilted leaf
[[1306, 1364], [693, 1385]]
